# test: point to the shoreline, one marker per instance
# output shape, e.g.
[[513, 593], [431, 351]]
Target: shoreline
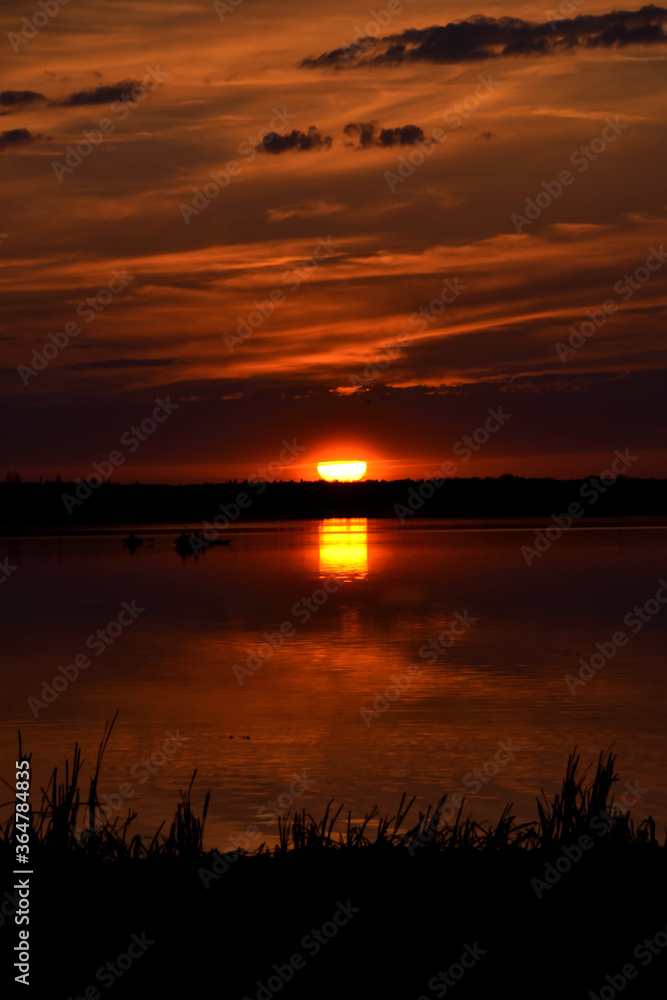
[[27, 507], [574, 899], [282, 521]]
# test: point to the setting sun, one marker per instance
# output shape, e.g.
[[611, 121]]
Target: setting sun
[[345, 472]]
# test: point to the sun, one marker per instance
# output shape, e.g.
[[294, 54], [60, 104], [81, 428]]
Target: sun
[[344, 472]]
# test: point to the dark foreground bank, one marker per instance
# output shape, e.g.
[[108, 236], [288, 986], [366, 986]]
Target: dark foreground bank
[[413, 906]]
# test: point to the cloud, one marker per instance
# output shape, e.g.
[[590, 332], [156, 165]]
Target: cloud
[[481, 38], [123, 363], [276, 143], [101, 95], [19, 98], [16, 137], [367, 135], [364, 135], [306, 209]]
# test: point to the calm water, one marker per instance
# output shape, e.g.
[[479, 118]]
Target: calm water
[[391, 591]]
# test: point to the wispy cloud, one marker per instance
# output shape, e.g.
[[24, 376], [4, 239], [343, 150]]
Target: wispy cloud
[[101, 95], [305, 209]]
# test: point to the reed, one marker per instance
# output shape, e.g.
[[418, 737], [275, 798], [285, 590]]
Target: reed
[[56, 824]]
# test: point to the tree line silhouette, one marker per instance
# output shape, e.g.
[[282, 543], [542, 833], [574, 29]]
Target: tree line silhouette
[[60, 503]]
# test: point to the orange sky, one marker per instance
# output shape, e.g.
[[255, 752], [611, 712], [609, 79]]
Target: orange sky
[[349, 248]]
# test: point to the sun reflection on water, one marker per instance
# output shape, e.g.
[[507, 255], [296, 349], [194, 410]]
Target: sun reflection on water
[[344, 548]]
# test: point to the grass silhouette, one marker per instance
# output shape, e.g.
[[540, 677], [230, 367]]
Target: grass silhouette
[[57, 824], [423, 888]]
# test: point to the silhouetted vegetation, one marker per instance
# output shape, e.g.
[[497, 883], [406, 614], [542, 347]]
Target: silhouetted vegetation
[[25, 505], [70, 820], [422, 891]]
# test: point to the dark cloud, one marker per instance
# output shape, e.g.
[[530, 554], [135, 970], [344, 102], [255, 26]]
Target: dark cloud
[[16, 137], [276, 143], [19, 98], [481, 38], [101, 95], [123, 363], [364, 134], [369, 134]]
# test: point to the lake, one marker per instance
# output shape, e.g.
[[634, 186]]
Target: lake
[[344, 659]]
